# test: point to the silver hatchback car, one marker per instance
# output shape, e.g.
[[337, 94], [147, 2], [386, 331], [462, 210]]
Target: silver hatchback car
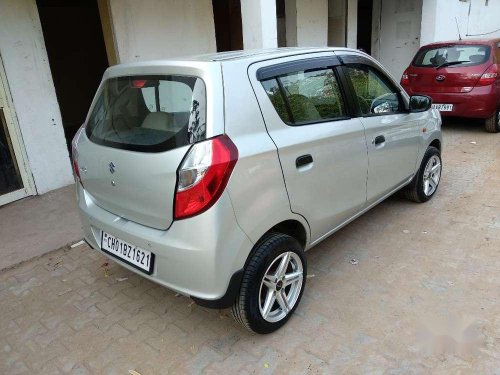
[[213, 175]]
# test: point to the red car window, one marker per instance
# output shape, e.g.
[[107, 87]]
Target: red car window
[[452, 55]]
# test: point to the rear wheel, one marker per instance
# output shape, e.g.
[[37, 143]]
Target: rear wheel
[[425, 183], [272, 285], [492, 125]]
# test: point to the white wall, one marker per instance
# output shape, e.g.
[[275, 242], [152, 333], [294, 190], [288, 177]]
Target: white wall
[[312, 23], [160, 29], [35, 102], [352, 23], [438, 19], [258, 18], [291, 22], [306, 23], [337, 23], [399, 34]]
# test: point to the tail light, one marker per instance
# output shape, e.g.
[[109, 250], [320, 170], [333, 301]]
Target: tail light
[[203, 176], [405, 80], [489, 76]]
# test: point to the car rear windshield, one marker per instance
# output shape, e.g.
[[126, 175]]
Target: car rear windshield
[[149, 113], [452, 55]]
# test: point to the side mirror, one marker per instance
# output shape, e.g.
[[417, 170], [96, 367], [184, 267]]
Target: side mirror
[[420, 103]]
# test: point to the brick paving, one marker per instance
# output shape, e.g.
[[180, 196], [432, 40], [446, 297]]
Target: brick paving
[[423, 297]]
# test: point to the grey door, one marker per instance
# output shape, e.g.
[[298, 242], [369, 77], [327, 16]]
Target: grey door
[[321, 149], [392, 132]]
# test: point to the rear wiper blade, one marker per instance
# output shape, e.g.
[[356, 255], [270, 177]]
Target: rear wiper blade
[[448, 63]]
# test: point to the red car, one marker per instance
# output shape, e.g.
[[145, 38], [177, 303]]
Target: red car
[[462, 78]]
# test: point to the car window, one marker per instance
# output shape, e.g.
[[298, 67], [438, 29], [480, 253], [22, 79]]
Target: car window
[[452, 55], [375, 95], [149, 113], [173, 96], [306, 96]]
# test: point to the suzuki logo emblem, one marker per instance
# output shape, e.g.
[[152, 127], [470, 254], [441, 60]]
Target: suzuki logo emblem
[[111, 167], [440, 78]]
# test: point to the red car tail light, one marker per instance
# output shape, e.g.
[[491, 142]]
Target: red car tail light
[[489, 76], [203, 176], [405, 80]]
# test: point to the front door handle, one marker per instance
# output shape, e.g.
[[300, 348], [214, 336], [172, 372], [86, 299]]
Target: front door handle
[[303, 160], [378, 140]]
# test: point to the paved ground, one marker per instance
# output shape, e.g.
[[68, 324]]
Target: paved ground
[[35, 225], [423, 297]]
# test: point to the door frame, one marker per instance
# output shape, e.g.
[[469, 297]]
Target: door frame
[[16, 139]]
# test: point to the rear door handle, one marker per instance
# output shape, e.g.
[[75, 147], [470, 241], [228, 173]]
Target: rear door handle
[[303, 160], [378, 140]]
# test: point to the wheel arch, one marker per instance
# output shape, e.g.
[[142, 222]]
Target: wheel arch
[[436, 143], [291, 227]]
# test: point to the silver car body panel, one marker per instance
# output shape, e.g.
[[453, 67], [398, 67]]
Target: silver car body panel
[[194, 257], [256, 187], [339, 167], [198, 256], [141, 186]]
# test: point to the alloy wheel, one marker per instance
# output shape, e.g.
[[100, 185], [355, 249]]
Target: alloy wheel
[[280, 287], [432, 175]]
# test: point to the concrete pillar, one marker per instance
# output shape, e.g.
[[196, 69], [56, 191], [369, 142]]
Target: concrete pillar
[[161, 29], [306, 23], [376, 26], [352, 23], [258, 18], [337, 23], [25, 60], [428, 25], [291, 22]]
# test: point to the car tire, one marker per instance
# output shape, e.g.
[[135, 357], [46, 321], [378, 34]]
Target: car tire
[[492, 125], [263, 275], [425, 183]]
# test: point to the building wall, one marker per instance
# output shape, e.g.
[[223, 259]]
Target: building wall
[[337, 23], [438, 19], [35, 102], [160, 29], [258, 19], [399, 33], [312, 23], [291, 22], [352, 23]]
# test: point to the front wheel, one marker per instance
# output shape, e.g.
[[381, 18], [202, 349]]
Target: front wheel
[[272, 285], [492, 125], [425, 183]]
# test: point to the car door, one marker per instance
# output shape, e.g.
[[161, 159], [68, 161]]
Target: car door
[[392, 133], [322, 150]]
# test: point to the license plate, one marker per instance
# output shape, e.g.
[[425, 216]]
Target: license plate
[[133, 255], [443, 107]]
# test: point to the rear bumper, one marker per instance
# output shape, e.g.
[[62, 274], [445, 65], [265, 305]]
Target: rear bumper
[[481, 102], [201, 257]]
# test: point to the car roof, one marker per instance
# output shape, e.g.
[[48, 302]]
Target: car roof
[[255, 53], [490, 41], [248, 56], [243, 57]]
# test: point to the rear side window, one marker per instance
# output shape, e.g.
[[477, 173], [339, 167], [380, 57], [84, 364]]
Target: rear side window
[[306, 96], [149, 113], [452, 55]]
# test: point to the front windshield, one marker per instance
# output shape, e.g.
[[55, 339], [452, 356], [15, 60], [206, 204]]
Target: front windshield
[[452, 55]]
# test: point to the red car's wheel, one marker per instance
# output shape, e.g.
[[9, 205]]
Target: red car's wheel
[[492, 124]]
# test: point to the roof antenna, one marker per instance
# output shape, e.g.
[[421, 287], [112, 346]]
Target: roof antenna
[[458, 28]]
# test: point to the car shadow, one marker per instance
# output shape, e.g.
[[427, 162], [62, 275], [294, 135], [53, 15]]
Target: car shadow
[[463, 124]]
